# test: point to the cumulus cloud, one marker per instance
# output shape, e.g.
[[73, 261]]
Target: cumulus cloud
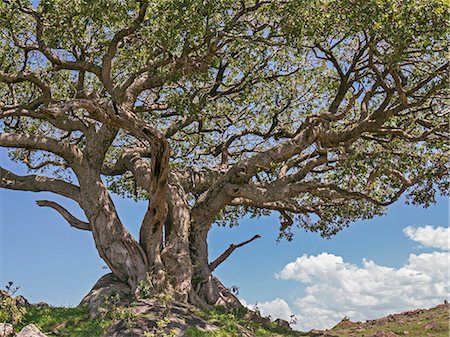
[[434, 237], [337, 288], [278, 308]]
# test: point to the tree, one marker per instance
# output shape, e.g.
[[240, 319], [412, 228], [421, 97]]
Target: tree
[[324, 111]]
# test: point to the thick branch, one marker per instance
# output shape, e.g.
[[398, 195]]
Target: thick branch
[[35, 183], [70, 153], [73, 221], [213, 265]]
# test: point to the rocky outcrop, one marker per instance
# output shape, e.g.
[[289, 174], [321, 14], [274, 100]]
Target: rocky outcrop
[[153, 316], [257, 318], [282, 322]]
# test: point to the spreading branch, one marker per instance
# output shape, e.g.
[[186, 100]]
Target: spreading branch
[[36, 183]]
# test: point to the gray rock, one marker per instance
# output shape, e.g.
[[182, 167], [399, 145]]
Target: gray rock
[[106, 291], [282, 322], [384, 334], [257, 318], [31, 331], [6, 330], [22, 301], [151, 316]]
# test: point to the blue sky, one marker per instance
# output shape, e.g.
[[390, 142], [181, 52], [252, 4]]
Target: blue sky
[[55, 263]]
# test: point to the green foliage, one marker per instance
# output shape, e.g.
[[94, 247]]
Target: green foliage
[[10, 310], [396, 22], [145, 289], [160, 329], [284, 65]]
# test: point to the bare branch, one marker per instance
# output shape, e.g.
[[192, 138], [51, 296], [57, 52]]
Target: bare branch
[[73, 221], [213, 265]]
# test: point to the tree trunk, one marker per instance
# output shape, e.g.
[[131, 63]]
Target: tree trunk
[[207, 289], [121, 252], [181, 255], [175, 255]]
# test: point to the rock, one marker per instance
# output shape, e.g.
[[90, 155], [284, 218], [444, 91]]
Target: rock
[[149, 316], [107, 289], [257, 318], [30, 331], [22, 301], [384, 334], [6, 330], [430, 326], [41, 305], [282, 322], [344, 323]]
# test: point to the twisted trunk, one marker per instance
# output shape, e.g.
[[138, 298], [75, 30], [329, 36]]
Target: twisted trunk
[[181, 254], [115, 245]]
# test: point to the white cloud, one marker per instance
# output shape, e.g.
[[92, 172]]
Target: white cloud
[[277, 308], [337, 288], [434, 237]]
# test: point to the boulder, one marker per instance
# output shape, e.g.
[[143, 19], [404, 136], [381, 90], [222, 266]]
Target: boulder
[[6, 330], [282, 322], [107, 290], [22, 301], [257, 318], [430, 326], [30, 331]]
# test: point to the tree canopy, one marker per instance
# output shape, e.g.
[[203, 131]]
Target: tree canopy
[[325, 111]]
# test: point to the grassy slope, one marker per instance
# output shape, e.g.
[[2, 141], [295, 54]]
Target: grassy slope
[[419, 323]]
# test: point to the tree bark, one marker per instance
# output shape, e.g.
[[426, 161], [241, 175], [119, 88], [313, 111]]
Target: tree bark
[[123, 255], [175, 255]]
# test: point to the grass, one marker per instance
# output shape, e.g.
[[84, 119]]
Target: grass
[[73, 322], [233, 323], [431, 323]]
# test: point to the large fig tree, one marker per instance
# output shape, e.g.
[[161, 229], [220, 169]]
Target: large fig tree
[[324, 111]]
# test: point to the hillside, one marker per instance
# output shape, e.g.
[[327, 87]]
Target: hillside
[[159, 318], [433, 322]]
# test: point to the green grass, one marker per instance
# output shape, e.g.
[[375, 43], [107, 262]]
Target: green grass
[[73, 322], [233, 323]]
